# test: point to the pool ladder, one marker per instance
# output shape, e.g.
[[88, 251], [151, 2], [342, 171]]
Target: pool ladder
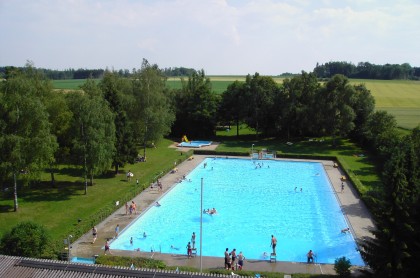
[[273, 258]]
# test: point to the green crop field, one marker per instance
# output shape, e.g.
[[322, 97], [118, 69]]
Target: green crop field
[[68, 84], [401, 98]]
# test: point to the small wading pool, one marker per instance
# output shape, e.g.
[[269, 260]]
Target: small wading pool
[[83, 260], [195, 144]]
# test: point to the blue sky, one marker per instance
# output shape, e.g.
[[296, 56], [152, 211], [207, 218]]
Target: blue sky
[[220, 36]]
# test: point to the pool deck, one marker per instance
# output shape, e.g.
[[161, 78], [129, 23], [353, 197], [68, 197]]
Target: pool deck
[[355, 211]]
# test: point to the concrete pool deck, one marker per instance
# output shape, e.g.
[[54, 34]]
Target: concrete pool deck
[[355, 212]]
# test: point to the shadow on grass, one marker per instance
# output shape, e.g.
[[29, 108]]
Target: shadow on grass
[[6, 208], [44, 192], [72, 172]]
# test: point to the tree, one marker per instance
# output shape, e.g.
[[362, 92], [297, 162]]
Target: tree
[[297, 105], [196, 108], [93, 136], [393, 252], [151, 113], [261, 91], [363, 106], [233, 106], [381, 132], [26, 143], [112, 87], [337, 99], [26, 239], [59, 116]]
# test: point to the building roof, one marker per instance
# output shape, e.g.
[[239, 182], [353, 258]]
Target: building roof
[[21, 267]]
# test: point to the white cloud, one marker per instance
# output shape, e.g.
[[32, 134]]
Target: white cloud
[[220, 36]]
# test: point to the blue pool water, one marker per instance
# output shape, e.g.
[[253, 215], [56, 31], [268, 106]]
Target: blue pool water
[[83, 260], [195, 144], [252, 204]]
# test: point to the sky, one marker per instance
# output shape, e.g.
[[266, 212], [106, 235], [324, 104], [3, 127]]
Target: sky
[[222, 37]]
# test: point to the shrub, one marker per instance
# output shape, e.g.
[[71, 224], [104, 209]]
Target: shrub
[[26, 239], [137, 262], [342, 267]]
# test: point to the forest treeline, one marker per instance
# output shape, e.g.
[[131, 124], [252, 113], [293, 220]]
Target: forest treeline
[[93, 73], [104, 125], [366, 70], [363, 70]]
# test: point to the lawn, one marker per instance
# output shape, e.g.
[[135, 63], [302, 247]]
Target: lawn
[[60, 207]]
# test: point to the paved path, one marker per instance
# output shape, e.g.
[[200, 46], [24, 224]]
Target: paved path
[[357, 215]]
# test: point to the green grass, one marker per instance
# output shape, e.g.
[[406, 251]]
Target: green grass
[[59, 208], [400, 98], [69, 84], [218, 85]]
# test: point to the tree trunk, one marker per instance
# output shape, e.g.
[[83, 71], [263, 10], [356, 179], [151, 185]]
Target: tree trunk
[[117, 166], [15, 192], [237, 127], [52, 177], [91, 178]]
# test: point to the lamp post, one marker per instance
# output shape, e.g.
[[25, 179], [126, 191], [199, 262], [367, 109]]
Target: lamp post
[[201, 229], [68, 247]]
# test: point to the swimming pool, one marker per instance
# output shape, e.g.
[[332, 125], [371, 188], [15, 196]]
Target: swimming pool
[[254, 199], [195, 144], [83, 260]]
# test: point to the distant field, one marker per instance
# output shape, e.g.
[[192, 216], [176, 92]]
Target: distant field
[[71, 84], [401, 98]]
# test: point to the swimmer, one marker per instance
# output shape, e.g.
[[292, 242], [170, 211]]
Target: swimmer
[[157, 204], [265, 255], [173, 247], [131, 240], [137, 249], [295, 188], [144, 234], [345, 230]]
